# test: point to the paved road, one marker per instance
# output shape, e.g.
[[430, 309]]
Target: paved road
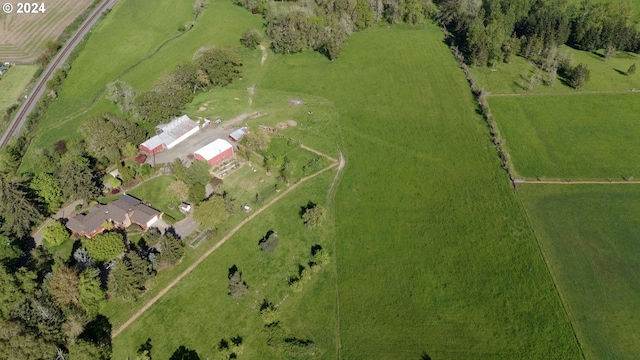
[[16, 125], [64, 213]]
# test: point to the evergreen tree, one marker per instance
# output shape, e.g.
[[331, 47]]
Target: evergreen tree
[[171, 248], [237, 287]]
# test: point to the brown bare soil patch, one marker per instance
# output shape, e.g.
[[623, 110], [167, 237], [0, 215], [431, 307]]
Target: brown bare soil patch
[[24, 35]]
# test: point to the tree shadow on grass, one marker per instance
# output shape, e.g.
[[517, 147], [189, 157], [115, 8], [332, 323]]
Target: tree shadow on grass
[[425, 356], [303, 209], [621, 72], [232, 270], [184, 353], [98, 331]]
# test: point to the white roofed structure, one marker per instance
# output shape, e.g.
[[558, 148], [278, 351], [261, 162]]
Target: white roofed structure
[[171, 134], [215, 152]]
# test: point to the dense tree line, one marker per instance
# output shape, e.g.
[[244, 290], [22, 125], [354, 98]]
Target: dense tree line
[[210, 67], [49, 311], [492, 31], [324, 25]]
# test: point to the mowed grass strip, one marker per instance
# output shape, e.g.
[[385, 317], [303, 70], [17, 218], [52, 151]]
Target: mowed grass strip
[[578, 137], [589, 234], [13, 83], [434, 253]]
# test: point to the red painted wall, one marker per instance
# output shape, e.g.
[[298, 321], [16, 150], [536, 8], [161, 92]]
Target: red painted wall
[[220, 157]]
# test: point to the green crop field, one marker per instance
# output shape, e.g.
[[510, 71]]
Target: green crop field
[[433, 252], [13, 84], [589, 234], [571, 137]]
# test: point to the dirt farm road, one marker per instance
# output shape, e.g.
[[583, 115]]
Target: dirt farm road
[[15, 126], [216, 246]]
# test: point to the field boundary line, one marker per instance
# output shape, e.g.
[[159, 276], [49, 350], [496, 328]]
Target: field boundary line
[[577, 182], [331, 197], [594, 92], [559, 292], [212, 249]]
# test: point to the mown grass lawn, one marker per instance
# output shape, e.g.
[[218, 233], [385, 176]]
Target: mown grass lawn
[[13, 83], [571, 137], [154, 192], [589, 234]]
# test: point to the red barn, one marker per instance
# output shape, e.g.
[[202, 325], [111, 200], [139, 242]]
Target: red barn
[[152, 146], [215, 152]]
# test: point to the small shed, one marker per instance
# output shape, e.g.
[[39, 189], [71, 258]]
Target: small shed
[[215, 152], [152, 146], [238, 134]]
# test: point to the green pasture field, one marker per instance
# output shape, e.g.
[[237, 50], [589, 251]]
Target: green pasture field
[[434, 254], [589, 235], [13, 84], [154, 192], [198, 313], [587, 136], [606, 75]]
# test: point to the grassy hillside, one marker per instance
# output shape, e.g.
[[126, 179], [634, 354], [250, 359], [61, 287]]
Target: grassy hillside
[[589, 234], [571, 137], [13, 83], [434, 254]]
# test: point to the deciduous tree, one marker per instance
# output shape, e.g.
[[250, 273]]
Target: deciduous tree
[[250, 38], [258, 140], [313, 215], [178, 190], [222, 65], [54, 234], [107, 135], [106, 246], [47, 187], [212, 212], [198, 173]]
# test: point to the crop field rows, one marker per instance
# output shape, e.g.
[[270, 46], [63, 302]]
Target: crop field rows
[[23, 35]]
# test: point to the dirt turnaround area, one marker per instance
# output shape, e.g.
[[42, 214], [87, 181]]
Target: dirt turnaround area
[[23, 35]]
